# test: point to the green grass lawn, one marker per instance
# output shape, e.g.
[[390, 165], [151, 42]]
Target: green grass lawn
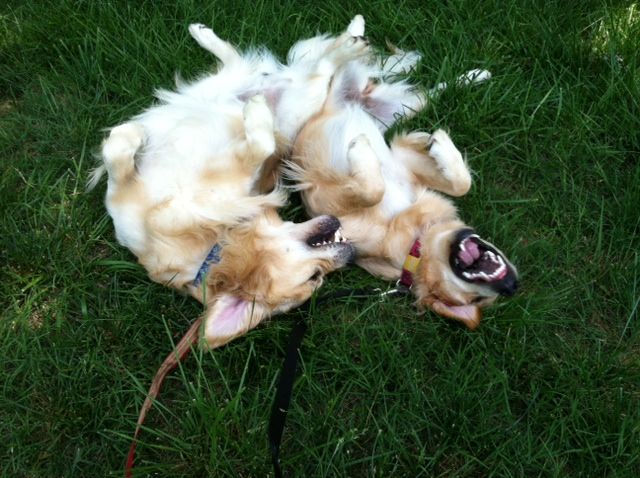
[[549, 385]]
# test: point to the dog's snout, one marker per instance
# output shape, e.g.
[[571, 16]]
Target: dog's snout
[[508, 286]]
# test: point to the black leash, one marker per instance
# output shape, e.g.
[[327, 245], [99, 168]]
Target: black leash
[[283, 393], [284, 389]]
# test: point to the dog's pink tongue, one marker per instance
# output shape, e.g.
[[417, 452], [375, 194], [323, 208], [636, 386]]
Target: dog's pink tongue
[[469, 253]]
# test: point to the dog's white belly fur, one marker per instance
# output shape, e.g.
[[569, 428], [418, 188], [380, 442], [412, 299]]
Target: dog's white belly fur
[[186, 152], [353, 122], [184, 139]]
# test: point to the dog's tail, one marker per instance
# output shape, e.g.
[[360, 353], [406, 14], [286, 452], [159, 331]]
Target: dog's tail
[[95, 175]]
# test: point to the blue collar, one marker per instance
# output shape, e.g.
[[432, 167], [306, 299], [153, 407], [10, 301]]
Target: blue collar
[[212, 258]]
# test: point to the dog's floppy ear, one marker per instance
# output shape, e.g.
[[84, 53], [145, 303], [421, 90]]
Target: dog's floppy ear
[[469, 315], [229, 317]]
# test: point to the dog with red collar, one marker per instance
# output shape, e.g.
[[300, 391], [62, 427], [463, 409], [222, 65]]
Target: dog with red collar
[[387, 196]]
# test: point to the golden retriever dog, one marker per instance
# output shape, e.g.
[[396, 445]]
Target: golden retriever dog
[[385, 194], [186, 183]]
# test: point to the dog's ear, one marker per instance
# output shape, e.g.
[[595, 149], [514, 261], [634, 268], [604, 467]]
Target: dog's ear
[[229, 317], [469, 315]]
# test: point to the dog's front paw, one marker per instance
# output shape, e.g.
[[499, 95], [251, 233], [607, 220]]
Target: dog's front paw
[[358, 144], [257, 110], [259, 126], [445, 153]]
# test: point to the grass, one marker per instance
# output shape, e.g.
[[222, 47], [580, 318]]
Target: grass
[[548, 386]]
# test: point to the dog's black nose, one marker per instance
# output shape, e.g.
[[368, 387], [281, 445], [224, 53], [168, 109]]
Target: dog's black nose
[[508, 286]]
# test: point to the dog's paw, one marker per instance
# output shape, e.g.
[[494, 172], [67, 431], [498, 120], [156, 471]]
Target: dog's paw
[[359, 144], [257, 111], [348, 47], [259, 126], [399, 62], [361, 154], [365, 170], [356, 27], [474, 77], [124, 140], [200, 32], [444, 152]]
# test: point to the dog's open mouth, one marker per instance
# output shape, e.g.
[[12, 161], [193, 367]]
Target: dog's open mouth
[[478, 262], [475, 260], [327, 232], [327, 235], [320, 240]]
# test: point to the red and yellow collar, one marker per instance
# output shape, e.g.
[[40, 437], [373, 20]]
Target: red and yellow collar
[[410, 265]]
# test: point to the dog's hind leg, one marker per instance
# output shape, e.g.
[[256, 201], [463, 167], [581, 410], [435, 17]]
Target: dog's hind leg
[[119, 149], [212, 43], [434, 161]]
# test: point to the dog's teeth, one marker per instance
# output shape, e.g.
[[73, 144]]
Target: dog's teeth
[[499, 271]]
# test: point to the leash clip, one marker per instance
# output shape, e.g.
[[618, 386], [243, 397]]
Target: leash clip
[[397, 290]]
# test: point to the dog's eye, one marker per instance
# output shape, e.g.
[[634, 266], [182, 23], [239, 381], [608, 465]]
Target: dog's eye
[[316, 275], [480, 298]]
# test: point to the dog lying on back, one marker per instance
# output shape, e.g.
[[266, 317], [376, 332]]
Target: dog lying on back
[[384, 194], [186, 181]]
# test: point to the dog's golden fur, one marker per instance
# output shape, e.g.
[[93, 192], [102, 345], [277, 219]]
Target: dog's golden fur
[[385, 197], [188, 173]]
